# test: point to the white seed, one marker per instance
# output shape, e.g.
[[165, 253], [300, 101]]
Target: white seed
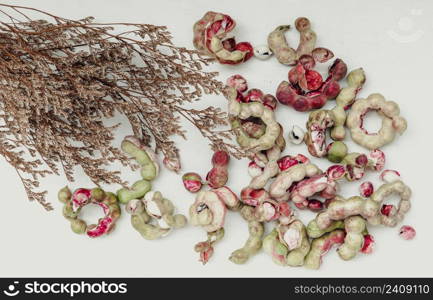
[[296, 135], [262, 52]]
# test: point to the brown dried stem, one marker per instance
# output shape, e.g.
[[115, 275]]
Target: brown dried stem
[[60, 78]]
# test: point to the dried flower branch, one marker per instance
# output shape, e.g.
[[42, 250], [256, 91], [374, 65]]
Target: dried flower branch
[[60, 78]]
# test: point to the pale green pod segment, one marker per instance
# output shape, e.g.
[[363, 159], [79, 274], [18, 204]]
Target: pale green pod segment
[[296, 257], [147, 231], [350, 159], [314, 231], [138, 220], [277, 250], [68, 212], [148, 167], [137, 190], [175, 221], [268, 241], [148, 172], [247, 213], [168, 206], [98, 194], [78, 226], [139, 154], [337, 152], [64, 194], [318, 249], [216, 236], [111, 198], [252, 245], [355, 227]]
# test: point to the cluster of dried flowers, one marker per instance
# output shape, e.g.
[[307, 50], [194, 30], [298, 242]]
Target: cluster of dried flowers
[[60, 78]]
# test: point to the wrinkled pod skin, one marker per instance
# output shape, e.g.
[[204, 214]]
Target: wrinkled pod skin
[[369, 209], [404, 205], [143, 155], [354, 240], [340, 209], [210, 38], [314, 231], [153, 217], [321, 245], [75, 202], [270, 170], [392, 122], [279, 250], [136, 191], [252, 245], [346, 97], [296, 173], [315, 139], [242, 111], [315, 185], [147, 159], [292, 95], [306, 47], [217, 177]]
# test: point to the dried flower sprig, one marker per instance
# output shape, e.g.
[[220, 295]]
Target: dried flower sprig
[[60, 78]]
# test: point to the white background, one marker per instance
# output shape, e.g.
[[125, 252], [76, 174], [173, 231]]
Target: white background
[[391, 40]]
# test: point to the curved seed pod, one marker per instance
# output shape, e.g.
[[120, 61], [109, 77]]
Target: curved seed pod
[[314, 231], [210, 38], [242, 111], [137, 190], [315, 139], [74, 203], [208, 211], [278, 44], [277, 250], [147, 231], [270, 170], [387, 189], [307, 37], [340, 209], [354, 239], [284, 180], [296, 257], [392, 122], [344, 100], [320, 246], [144, 156], [252, 245]]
